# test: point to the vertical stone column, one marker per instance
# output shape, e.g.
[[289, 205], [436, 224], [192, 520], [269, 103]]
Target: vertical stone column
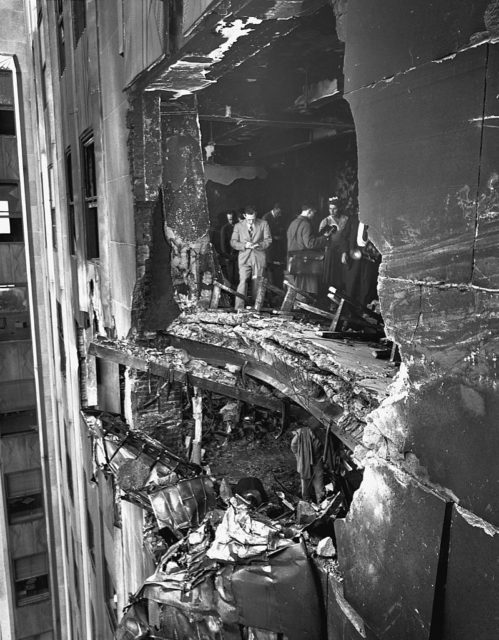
[[153, 306], [171, 212], [422, 82], [186, 217]]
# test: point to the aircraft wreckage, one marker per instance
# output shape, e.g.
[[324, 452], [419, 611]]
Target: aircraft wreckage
[[241, 555]]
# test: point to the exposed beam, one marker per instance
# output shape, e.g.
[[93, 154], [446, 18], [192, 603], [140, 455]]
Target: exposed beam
[[272, 122], [164, 370], [277, 376]]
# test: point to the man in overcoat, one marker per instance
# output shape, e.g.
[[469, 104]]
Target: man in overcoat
[[302, 241], [251, 237]]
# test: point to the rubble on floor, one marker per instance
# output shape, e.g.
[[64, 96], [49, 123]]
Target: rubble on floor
[[238, 553], [234, 558], [317, 371], [262, 359]]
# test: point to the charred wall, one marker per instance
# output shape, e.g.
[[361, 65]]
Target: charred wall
[[291, 178], [421, 79], [171, 217]]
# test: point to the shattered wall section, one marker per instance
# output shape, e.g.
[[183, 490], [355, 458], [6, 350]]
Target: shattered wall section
[[186, 218], [156, 408], [421, 80], [171, 215], [153, 305]]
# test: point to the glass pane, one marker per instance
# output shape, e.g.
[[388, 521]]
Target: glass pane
[[29, 566], [9, 192], [5, 225], [17, 422], [24, 482], [13, 299]]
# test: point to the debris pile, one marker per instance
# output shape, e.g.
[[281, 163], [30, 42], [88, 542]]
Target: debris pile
[[232, 560]]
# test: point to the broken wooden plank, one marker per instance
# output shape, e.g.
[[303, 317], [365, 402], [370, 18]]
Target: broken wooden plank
[[224, 287], [333, 291]]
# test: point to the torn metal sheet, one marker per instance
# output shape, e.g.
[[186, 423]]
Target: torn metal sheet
[[281, 595], [266, 585], [184, 504], [115, 444], [134, 623], [241, 536]]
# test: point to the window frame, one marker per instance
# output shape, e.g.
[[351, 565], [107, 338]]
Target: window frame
[[13, 496], [43, 592], [79, 17], [61, 38], [90, 197], [68, 167]]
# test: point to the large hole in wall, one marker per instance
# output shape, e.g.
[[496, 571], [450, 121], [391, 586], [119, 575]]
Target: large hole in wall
[[276, 130]]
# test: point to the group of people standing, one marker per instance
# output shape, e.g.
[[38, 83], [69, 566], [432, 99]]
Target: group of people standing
[[337, 254]]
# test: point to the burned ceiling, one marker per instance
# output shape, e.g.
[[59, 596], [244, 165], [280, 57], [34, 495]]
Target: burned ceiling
[[267, 79]]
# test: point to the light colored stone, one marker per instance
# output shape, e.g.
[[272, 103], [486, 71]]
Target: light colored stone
[[326, 548]]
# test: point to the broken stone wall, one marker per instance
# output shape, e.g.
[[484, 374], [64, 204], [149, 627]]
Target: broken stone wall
[[156, 408], [171, 218], [421, 79], [185, 210], [153, 302]]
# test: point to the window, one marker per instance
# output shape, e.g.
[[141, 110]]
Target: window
[[52, 206], [90, 197], [79, 19], [76, 574], [61, 45], [4, 218], [62, 346], [6, 89], [17, 422], [69, 472], [44, 635], [11, 224], [70, 203], [90, 536], [31, 578], [43, 64], [121, 28], [24, 495], [7, 122]]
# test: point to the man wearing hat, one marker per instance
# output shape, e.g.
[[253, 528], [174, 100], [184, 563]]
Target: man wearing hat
[[251, 237]]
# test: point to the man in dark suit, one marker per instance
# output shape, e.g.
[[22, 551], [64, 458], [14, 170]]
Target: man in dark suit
[[276, 257], [251, 238]]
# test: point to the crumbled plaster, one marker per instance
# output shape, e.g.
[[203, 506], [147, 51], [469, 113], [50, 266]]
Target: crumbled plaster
[[226, 175], [187, 259], [232, 32], [95, 300], [191, 71], [340, 8], [477, 522]]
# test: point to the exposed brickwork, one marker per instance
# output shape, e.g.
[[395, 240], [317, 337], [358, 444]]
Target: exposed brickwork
[[157, 409]]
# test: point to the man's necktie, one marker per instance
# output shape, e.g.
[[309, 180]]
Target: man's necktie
[[250, 230]]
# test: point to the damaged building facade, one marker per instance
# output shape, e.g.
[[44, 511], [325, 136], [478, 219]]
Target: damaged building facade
[[128, 128]]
